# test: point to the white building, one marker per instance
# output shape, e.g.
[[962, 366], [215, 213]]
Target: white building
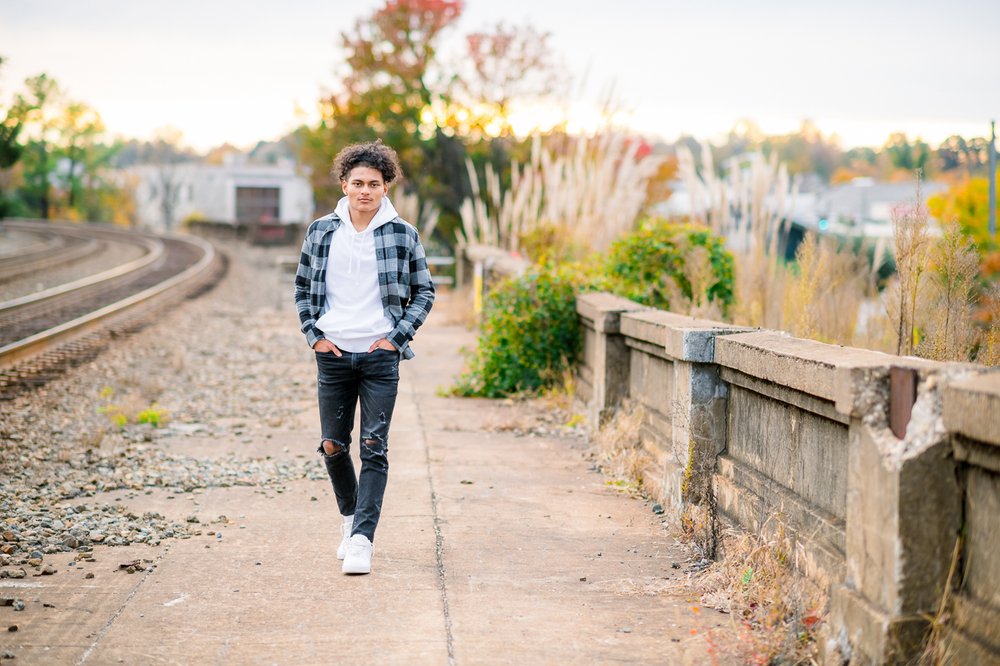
[[232, 192]]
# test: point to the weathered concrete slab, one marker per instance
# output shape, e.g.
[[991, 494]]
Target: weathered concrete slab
[[972, 407], [604, 310], [805, 365]]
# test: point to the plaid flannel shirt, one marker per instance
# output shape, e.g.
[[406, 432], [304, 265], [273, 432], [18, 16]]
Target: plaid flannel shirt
[[403, 279]]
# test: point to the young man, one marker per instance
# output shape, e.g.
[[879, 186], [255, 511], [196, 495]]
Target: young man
[[362, 289]]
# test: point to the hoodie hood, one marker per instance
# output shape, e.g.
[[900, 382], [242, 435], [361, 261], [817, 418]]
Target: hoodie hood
[[362, 241], [386, 213]]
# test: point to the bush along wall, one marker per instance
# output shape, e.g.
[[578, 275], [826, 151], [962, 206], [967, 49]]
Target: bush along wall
[[664, 262], [530, 334]]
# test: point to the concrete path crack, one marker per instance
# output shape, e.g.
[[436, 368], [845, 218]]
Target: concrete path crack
[[438, 539], [121, 609]]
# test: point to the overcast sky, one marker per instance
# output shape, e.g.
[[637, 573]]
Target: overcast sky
[[222, 70]]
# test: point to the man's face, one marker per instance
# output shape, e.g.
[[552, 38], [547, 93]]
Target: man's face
[[364, 188]]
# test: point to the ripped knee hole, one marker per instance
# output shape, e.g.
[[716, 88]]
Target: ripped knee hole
[[330, 447]]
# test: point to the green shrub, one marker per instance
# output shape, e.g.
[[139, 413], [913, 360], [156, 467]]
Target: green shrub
[[529, 334], [663, 260]]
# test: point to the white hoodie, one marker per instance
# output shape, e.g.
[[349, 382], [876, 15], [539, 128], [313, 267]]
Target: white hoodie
[[353, 317]]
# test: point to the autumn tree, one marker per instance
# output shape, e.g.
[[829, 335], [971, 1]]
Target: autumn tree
[[388, 84], [967, 203], [504, 65]]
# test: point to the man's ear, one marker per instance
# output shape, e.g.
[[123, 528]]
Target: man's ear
[[343, 185]]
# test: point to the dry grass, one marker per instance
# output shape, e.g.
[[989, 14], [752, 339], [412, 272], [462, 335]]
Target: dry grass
[[697, 269], [935, 650], [407, 204], [951, 333], [823, 292], [749, 207], [930, 307], [619, 453], [913, 244], [777, 609]]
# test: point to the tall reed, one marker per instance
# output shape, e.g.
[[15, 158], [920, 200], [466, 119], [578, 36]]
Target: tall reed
[[749, 206], [592, 188]]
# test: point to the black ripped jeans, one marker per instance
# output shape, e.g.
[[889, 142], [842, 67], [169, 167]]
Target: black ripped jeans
[[372, 377]]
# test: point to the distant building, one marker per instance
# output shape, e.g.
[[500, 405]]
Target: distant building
[[863, 206], [232, 192]]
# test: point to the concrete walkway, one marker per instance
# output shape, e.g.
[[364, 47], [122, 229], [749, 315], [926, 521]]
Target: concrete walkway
[[492, 549]]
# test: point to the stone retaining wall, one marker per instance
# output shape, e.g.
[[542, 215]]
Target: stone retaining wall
[[791, 437]]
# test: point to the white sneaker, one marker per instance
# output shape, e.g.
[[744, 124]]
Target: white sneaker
[[359, 555], [345, 536]]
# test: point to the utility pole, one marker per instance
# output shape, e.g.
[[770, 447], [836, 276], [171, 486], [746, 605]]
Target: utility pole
[[993, 180]]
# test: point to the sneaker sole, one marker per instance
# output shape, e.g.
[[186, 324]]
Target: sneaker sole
[[356, 570]]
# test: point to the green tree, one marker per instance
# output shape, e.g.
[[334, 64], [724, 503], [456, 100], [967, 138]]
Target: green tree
[[40, 156], [11, 124], [905, 155], [79, 129]]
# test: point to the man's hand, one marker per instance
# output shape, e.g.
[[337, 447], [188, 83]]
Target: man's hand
[[324, 345], [382, 343]]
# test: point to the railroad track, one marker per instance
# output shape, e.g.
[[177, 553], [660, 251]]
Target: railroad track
[[51, 248], [43, 333]]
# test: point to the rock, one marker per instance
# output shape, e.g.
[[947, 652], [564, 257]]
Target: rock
[[34, 561], [192, 519], [12, 628], [48, 570], [657, 509], [18, 604], [89, 575], [7, 654], [71, 542]]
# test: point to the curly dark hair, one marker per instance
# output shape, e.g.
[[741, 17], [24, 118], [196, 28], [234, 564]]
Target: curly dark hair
[[375, 155]]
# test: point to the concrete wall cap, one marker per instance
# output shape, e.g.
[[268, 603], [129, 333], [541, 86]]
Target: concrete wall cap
[[806, 365], [604, 309], [971, 407], [682, 337]]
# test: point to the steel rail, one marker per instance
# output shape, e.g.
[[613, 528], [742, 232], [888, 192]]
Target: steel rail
[[38, 343], [154, 252], [15, 265]]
